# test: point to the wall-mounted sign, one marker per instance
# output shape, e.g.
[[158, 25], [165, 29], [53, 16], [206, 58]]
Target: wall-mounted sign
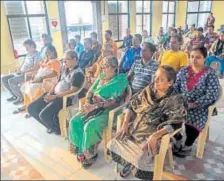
[[55, 25]]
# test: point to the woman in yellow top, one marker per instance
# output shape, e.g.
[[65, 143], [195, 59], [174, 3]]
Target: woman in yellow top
[[174, 57], [33, 89]]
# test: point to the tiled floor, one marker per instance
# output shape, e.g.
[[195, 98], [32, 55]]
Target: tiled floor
[[48, 154], [14, 166]]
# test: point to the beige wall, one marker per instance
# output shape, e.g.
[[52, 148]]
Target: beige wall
[[7, 56]]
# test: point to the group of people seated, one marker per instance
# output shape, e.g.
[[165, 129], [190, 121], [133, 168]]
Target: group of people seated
[[171, 88]]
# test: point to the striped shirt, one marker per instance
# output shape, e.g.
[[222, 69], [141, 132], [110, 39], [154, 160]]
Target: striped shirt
[[30, 61], [143, 74]]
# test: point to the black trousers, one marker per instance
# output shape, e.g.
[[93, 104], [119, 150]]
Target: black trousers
[[47, 112], [191, 134]]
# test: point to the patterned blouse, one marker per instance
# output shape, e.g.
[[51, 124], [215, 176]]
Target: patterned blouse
[[204, 93]]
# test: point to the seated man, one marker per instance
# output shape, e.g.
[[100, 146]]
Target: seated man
[[131, 54], [211, 37], [79, 48], [146, 37], [13, 82], [87, 57], [47, 40], [96, 45], [217, 52], [46, 108], [108, 35], [190, 34], [127, 42], [143, 70]]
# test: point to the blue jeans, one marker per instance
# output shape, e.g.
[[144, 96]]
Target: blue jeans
[[211, 59]]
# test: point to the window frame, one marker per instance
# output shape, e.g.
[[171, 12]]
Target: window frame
[[27, 16], [143, 13], [198, 12], [167, 13], [118, 14]]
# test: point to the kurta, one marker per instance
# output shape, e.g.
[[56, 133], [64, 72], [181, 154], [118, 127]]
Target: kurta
[[204, 94]]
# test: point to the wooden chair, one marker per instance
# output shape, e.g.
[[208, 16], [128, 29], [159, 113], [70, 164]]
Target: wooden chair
[[66, 113], [204, 134], [165, 147]]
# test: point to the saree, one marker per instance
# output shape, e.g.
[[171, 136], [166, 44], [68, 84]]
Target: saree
[[149, 114], [32, 91], [85, 134]]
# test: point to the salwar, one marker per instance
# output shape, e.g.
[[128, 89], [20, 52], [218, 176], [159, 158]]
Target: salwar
[[211, 59], [83, 135]]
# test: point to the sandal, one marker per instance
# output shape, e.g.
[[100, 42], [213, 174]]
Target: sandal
[[86, 163], [19, 110], [126, 170], [27, 116]]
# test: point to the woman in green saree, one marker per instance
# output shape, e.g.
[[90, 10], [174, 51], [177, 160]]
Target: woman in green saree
[[86, 127]]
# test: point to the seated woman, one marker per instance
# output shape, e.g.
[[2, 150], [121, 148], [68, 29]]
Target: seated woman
[[217, 51], [152, 113], [174, 57], [200, 87], [86, 127], [49, 69], [46, 108], [94, 71]]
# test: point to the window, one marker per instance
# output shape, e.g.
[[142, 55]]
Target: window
[[197, 12], [169, 11], [118, 18], [143, 16], [26, 19]]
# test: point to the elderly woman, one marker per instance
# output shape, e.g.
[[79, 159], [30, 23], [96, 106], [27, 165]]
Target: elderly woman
[[49, 69], [200, 86], [152, 113], [86, 127], [94, 71], [174, 57]]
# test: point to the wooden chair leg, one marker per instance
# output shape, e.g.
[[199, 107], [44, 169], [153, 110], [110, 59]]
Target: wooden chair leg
[[61, 117], [170, 156], [201, 143], [105, 145]]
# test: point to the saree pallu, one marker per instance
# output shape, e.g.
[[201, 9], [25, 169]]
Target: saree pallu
[[149, 115], [85, 134]]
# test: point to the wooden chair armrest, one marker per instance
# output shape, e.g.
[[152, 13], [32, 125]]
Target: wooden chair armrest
[[65, 98], [72, 94], [111, 119], [175, 132]]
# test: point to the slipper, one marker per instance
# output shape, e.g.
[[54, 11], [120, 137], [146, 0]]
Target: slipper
[[126, 170], [19, 110], [27, 116], [87, 163]]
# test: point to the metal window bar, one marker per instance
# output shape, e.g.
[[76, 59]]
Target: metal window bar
[[143, 13], [167, 13], [117, 15], [27, 16], [197, 12]]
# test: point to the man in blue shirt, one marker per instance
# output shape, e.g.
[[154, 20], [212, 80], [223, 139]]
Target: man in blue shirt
[[127, 42], [87, 57], [131, 54], [79, 47]]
